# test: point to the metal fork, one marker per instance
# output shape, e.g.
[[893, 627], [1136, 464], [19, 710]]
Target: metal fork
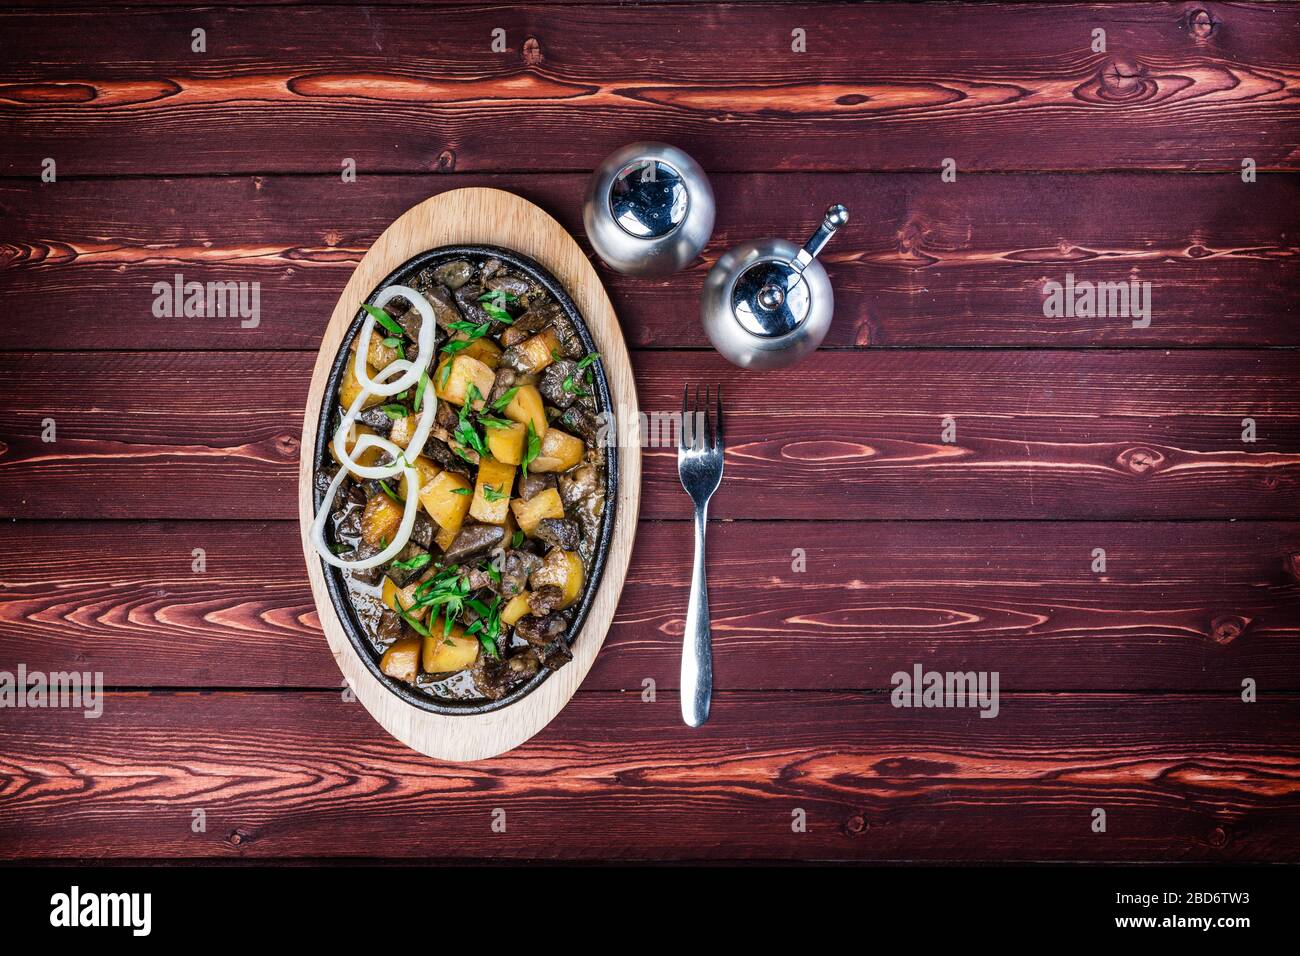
[[699, 464]]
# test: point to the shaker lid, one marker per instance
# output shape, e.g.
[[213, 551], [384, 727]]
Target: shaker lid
[[771, 298], [648, 199]]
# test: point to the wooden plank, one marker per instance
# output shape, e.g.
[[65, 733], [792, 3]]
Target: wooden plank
[[1181, 606], [1180, 778], [846, 435], [923, 262], [889, 86]]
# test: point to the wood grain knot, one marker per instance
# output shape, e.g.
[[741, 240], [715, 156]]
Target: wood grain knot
[[1140, 461], [287, 445], [1218, 837], [446, 161], [1121, 81], [1226, 628], [532, 52], [855, 825], [240, 837], [1201, 24]]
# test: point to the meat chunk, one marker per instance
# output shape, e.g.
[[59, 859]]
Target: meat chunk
[[552, 384], [504, 282], [540, 631], [534, 483], [467, 299], [399, 568], [422, 532], [502, 383], [545, 600], [453, 274], [376, 418], [474, 540], [577, 484], [581, 420], [554, 654], [562, 533], [515, 569], [571, 346]]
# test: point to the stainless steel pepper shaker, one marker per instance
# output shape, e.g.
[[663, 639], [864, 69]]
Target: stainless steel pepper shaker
[[768, 304], [649, 209]]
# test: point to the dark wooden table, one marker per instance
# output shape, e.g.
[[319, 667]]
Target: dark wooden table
[[1120, 690]]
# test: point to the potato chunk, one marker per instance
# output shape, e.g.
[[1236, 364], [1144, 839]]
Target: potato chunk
[[507, 443], [560, 451], [402, 659], [401, 599], [516, 608], [527, 407], [379, 355], [446, 499], [564, 570], [350, 385], [483, 349], [535, 353], [425, 469], [442, 653], [368, 457], [402, 431], [491, 502], [380, 520], [545, 504], [465, 371]]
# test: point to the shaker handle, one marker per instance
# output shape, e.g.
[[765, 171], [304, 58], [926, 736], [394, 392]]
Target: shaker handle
[[836, 217]]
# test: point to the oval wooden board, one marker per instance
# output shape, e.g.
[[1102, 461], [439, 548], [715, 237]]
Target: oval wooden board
[[491, 217]]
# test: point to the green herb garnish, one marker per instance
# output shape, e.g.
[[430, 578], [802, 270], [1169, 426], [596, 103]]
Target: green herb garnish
[[415, 563], [461, 491], [491, 494], [504, 400], [384, 319], [394, 411], [419, 389], [416, 625], [534, 447], [516, 539], [392, 494]]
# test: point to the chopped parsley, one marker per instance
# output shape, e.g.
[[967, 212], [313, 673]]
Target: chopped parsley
[[533, 449], [384, 319]]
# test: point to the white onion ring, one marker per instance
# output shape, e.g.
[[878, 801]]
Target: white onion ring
[[410, 375], [424, 340]]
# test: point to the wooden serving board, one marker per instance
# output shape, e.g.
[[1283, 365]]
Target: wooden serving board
[[490, 217]]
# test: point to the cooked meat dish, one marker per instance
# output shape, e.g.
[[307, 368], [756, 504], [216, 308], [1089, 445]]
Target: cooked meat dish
[[466, 495]]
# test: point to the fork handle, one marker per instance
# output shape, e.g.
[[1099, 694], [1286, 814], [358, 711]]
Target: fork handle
[[697, 644]]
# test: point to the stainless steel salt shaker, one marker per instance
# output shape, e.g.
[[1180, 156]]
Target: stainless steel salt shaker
[[649, 209], [768, 304]]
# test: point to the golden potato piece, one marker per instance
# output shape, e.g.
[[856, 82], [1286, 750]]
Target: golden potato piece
[[559, 451], [545, 504], [402, 659]]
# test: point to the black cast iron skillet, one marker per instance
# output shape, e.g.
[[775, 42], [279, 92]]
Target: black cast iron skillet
[[334, 580]]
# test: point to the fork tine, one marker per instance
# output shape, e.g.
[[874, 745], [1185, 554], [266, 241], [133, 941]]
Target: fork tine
[[718, 443], [707, 430], [682, 442]]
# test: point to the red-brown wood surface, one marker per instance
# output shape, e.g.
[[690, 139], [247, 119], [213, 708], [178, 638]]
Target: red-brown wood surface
[[855, 537], [846, 435], [926, 263], [888, 86], [307, 774], [1181, 605]]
